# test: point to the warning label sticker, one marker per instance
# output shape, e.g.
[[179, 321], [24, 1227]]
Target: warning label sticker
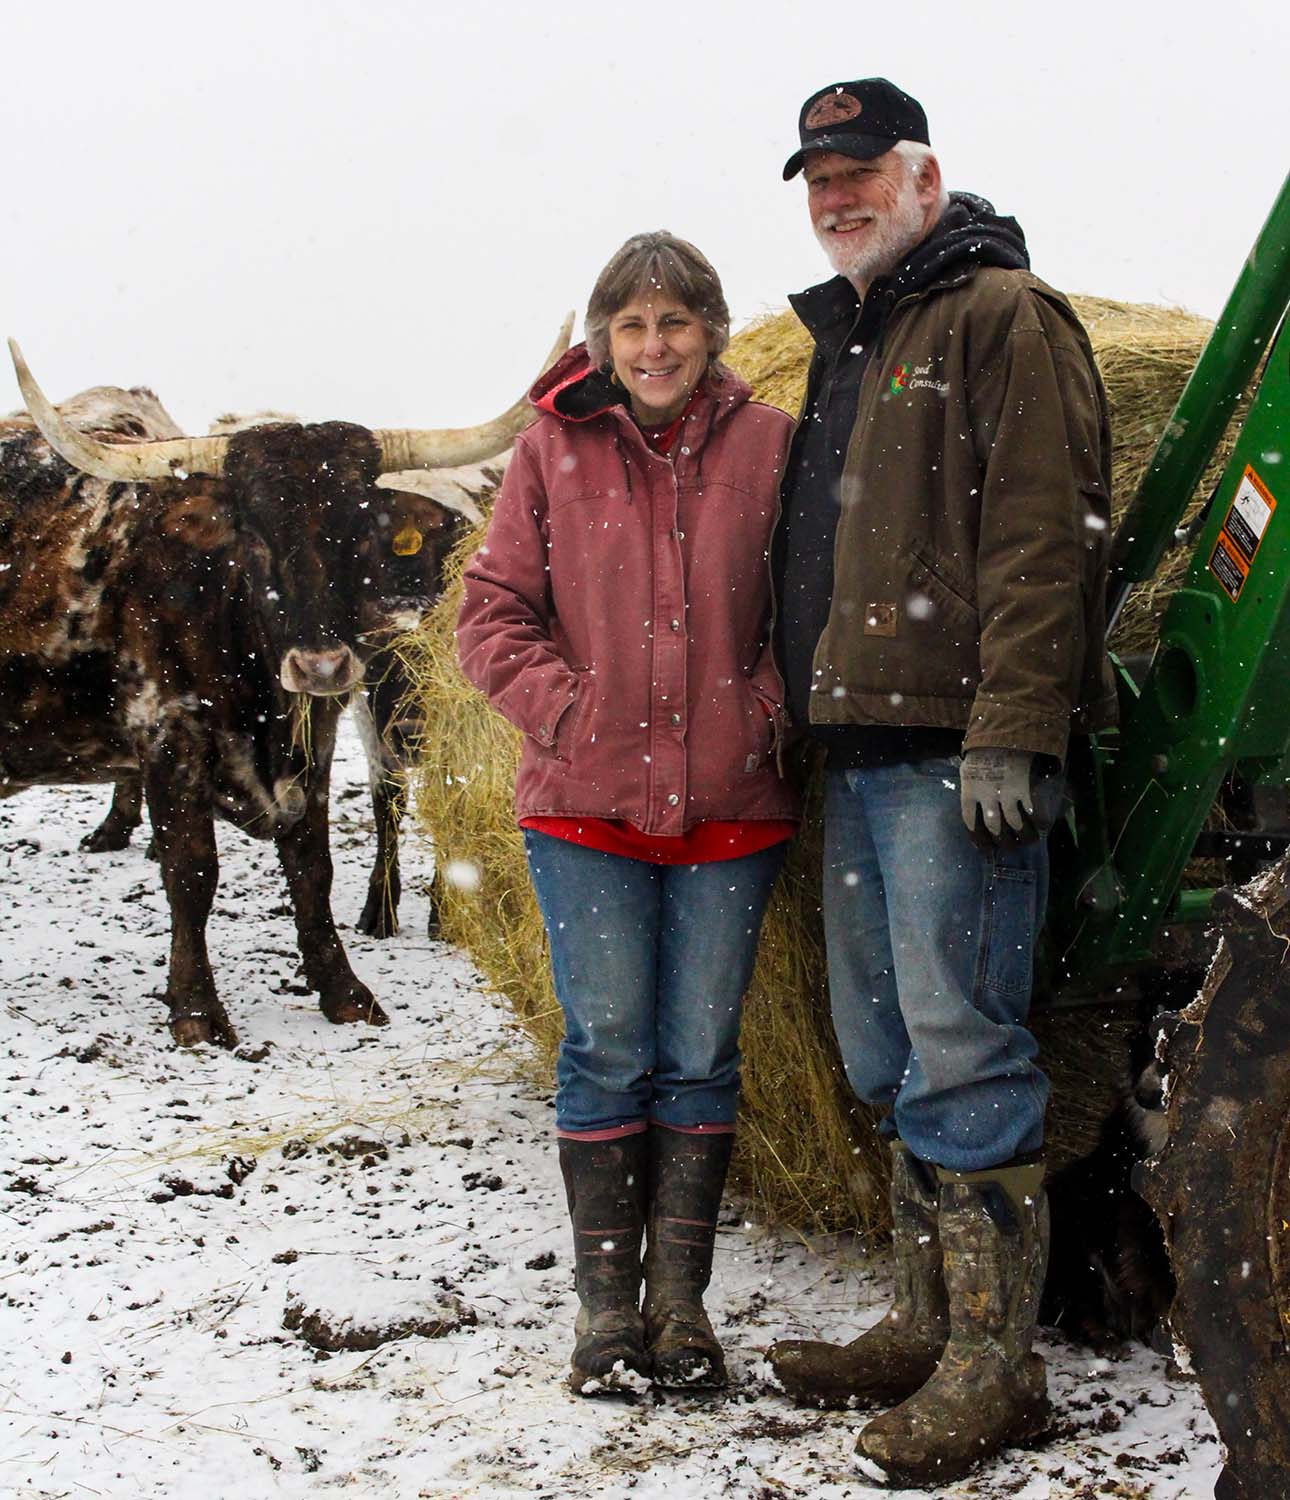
[[1241, 533]]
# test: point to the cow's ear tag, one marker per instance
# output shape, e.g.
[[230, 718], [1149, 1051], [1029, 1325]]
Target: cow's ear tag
[[407, 542]]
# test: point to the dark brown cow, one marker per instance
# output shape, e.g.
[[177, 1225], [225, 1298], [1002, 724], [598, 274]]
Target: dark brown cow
[[422, 531], [203, 616], [423, 525]]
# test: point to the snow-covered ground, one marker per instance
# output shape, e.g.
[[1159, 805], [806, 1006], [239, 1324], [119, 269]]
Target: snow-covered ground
[[161, 1212]]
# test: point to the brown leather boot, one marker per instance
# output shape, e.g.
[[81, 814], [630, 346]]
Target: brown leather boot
[[893, 1358], [989, 1388], [688, 1173], [606, 1183]]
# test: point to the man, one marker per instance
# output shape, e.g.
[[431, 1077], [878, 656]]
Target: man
[[940, 566]]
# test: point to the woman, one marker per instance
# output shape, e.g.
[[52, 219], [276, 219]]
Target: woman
[[618, 614]]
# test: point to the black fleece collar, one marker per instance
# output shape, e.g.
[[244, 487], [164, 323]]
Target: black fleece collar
[[596, 392]]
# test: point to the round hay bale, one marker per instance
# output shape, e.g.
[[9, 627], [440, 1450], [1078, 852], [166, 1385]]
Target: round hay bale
[[807, 1153]]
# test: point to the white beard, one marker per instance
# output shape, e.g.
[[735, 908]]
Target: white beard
[[893, 236]]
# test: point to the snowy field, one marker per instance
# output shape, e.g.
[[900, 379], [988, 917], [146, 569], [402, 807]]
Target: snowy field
[[163, 1212]]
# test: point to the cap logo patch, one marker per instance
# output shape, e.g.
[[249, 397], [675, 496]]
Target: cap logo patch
[[407, 543], [832, 109], [900, 380]]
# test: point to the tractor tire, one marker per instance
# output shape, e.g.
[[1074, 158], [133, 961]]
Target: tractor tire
[[1221, 1187]]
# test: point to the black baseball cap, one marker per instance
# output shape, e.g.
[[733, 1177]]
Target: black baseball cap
[[864, 119]]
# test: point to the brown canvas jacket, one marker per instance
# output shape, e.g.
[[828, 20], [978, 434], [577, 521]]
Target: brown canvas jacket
[[970, 554]]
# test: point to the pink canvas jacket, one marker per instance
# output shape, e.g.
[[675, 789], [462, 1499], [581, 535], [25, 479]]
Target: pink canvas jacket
[[618, 611]]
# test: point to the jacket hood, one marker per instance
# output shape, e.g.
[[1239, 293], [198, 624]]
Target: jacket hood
[[968, 230], [576, 390]]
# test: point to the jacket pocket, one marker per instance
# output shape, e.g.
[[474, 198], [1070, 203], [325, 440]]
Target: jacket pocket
[[571, 727], [943, 581], [768, 729]]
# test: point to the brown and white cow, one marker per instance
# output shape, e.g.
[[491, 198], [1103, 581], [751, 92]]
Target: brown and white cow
[[202, 615], [115, 415]]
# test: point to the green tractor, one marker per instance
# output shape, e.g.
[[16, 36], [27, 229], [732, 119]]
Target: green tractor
[[1204, 740]]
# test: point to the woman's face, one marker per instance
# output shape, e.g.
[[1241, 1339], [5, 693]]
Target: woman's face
[[659, 351]]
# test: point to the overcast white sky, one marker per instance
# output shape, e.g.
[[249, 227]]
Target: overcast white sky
[[380, 211]]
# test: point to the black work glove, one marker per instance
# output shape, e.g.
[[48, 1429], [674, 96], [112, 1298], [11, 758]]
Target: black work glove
[[997, 798]]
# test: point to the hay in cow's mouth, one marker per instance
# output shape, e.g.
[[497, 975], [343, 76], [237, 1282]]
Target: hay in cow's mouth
[[302, 732]]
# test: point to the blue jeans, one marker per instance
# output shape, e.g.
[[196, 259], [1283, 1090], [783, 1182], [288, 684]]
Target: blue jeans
[[650, 964], [930, 951]]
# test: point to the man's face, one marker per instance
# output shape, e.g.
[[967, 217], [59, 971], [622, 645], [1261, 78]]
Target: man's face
[[867, 215]]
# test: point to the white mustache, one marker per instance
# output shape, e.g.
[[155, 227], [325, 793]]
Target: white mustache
[[854, 216]]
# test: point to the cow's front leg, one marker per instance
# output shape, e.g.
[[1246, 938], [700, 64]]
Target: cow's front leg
[[179, 804], [384, 887], [306, 860], [123, 817]]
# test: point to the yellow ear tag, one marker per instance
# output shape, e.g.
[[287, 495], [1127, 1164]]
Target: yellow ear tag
[[407, 542]]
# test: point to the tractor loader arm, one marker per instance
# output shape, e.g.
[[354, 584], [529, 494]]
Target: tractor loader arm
[[1213, 707]]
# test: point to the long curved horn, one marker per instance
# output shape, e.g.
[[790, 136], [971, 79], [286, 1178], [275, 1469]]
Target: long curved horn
[[120, 461], [449, 447]]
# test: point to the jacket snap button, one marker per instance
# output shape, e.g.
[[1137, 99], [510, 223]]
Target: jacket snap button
[[680, 536], [673, 800], [676, 718], [542, 730], [676, 624]]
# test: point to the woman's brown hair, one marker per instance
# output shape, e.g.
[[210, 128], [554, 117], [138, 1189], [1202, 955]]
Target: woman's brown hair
[[657, 262]]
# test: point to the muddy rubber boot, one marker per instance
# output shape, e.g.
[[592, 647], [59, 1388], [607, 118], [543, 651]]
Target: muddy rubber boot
[[898, 1354], [606, 1184], [688, 1173], [989, 1388]]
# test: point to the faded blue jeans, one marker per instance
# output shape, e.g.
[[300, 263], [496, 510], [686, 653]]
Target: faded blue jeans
[[650, 964], [931, 952]]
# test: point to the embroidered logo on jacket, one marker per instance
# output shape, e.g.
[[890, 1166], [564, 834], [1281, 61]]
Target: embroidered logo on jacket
[[906, 378]]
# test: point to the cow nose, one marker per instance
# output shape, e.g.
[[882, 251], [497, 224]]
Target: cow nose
[[323, 674]]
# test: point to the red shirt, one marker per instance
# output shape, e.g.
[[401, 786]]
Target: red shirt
[[703, 844]]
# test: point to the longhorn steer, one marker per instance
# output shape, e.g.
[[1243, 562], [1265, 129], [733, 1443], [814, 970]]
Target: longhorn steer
[[418, 531], [202, 616], [421, 527]]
